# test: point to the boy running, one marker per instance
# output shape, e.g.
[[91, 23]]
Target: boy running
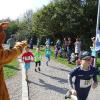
[[37, 59], [47, 54], [27, 57], [85, 77]]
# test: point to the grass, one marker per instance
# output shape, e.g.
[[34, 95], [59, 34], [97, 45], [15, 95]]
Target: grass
[[11, 69], [62, 60], [98, 66], [65, 62]]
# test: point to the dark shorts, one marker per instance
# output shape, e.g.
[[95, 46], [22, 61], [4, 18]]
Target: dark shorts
[[38, 63]]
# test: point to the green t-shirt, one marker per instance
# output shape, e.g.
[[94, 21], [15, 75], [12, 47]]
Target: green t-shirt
[[37, 57]]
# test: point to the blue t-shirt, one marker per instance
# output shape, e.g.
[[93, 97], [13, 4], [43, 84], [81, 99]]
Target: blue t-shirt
[[47, 52], [93, 52], [83, 78]]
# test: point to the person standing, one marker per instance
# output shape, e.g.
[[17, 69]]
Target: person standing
[[77, 45], [65, 43], [58, 44], [48, 42], [11, 41], [69, 49], [6, 56], [93, 52], [31, 43]]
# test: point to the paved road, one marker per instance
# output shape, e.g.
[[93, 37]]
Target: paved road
[[51, 83]]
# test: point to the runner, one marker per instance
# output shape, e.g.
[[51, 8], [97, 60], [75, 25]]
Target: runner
[[47, 54], [83, 75], [37, 59], [27, 57]]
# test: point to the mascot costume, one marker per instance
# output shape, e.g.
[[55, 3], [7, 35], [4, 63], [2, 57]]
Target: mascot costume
[[7, 56]]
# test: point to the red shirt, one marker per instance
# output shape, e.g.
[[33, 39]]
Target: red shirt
[[27, 57]]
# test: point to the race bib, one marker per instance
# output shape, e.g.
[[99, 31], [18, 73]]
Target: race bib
[[27, 58], [85, 83]]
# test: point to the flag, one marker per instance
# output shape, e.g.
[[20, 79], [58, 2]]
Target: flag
[[97, 46]]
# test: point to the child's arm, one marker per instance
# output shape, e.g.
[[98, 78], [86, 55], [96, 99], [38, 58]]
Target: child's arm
[[22, 57], [70, 81], [32, 57], [95, 83], [70, 76]]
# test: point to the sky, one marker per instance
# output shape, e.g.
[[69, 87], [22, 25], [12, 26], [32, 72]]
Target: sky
[[16, 8]]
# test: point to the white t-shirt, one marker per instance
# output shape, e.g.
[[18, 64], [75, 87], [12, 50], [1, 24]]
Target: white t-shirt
[[77, 47]]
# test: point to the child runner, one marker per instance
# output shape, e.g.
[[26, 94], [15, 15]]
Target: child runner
[[47, 54], [37, 59], [85, 77], [27, 57]]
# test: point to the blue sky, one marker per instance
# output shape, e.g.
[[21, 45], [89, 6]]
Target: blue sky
[[16, 8]]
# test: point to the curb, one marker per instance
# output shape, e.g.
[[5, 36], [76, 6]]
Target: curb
[[24, 83]]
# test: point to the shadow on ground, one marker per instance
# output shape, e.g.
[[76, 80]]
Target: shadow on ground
[[56, 78], [61, 69], [12, 67], [49, 86]]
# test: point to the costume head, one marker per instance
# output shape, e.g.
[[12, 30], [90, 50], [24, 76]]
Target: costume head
[[3, 26]]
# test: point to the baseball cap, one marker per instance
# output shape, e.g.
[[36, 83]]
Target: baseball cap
[[85, 55]]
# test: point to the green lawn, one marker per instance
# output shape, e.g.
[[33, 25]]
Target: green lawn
[[65, 62], [11, 69], [98, 66]]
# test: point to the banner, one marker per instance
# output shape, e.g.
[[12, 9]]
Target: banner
[[97, 47]]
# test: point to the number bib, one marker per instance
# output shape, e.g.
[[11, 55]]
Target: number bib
[[85, 83], [27, 58]]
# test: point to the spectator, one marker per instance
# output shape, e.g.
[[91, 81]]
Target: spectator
[[69, 49], [58, 44], [77, 46], [47, 42], [11, 41], [56, 52], [31, 43], [65, 43], [93, 52]]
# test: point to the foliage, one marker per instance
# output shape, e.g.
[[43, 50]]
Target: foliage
[[68, 17], [59, 18]]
